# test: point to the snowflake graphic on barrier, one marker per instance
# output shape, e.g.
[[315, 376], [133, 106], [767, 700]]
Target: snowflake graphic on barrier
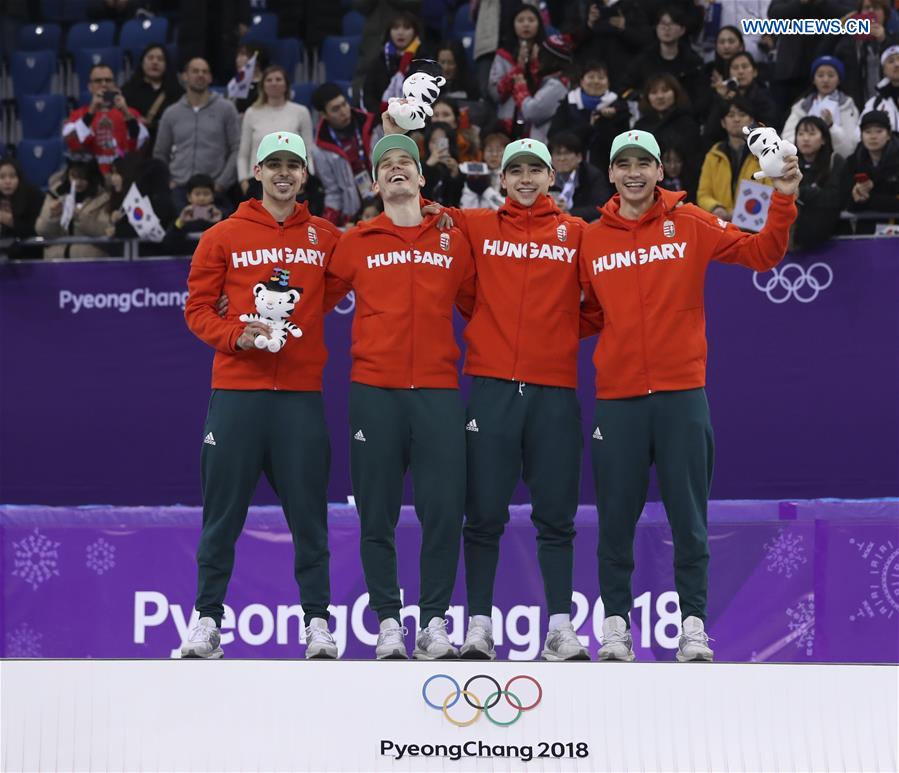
[[883, 568], [785, 553], [802, 623], [35, 559], [23, 642], [100, 556]]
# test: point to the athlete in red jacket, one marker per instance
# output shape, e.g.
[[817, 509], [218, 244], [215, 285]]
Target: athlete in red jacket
[[266, 412], [645, 261], [405, 407]]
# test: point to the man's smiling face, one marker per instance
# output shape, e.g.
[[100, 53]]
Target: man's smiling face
[[398, 176]]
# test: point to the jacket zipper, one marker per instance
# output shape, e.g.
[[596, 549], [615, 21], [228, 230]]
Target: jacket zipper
[[276, 359], [412, 322], [524, 286], [642, 318]]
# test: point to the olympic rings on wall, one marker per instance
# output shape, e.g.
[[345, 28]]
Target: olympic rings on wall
[[472, 699], [791, 281]]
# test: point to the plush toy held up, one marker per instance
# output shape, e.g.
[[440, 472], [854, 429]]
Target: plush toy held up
[[420, 90], [275, 302], [765, 144]]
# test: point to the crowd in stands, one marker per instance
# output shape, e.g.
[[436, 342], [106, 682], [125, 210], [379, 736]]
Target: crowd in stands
[[181, 121]]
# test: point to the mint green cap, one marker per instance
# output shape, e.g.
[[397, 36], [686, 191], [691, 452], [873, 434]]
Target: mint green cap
[[635, 139], [526, 147], [272, 143], [393, 142]]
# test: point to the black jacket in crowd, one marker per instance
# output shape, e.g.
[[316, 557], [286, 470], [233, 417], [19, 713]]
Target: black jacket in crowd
[[820, 202]]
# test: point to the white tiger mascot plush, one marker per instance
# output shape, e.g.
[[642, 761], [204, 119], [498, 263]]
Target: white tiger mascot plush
[[420, 90], [766, 145], [275, 302]]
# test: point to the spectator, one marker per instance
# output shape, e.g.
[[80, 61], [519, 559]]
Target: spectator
[[199, 214], [536, 93], [443, 180], [678, 176], [244, 52], [75, 205], [861, 54], [742, 83], [595, 112], [478, 193], [106, 127], [825, 99], [671, 53], [460, 82], [727, 163], [152, 88], [728, 43], [517, 55], [732, 13], [795, 53], [20, 205], [820, 192], [665, 113], [402, 39], [114, 10], [614, 33], [886, 98], [342, 152], [199, 134], [495, 140], [580, 188], [871, 176], [371, 208], [272, 112], [378, 16], [151, 177], [447, 110]]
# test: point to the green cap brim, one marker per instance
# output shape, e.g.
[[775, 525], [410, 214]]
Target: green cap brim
[[393, 142], [527, 147]]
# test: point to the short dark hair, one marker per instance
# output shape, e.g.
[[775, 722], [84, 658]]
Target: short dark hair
[[324, 94], [99, 66], [200, 181], [590, 65], [742, 104], [568, 140]]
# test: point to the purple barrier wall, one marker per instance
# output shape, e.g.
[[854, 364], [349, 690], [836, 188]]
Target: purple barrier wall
[[104, 390], [802, 581]]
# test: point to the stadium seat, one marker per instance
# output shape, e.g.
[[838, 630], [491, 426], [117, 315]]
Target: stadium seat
[[41, 115], [467, 42], [32, 72], [86, 58], [137, 34], [288, 52], [95, 34], [263, 28], [63, 10], [462, 24], [352, 23], [302, 94], [38, 37], [39, 159], [338, 55]]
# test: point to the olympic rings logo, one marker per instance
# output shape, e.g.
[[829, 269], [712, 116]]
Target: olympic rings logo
[[347, 305], [790, 280], [474, 701]]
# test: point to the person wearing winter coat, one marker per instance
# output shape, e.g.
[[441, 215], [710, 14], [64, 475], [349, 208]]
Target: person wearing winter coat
[[887, 96], [152, 88], [595, 112], [579, 188], [402, 39], [20, 205], [826, 100], [75, 205], [871, 174], [861, 54], [151, 177], [744, 83], [517, 54], [820, 191]]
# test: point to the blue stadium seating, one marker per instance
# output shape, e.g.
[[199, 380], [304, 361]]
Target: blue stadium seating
[[137, 34], [94, 34], [352, 23], [263, 28], [32, 72], [86, 58], [288, 52], [302, 94], [462, 25], [338, 55], [39, 37], [63, 10], [41, 115], [39, 159]]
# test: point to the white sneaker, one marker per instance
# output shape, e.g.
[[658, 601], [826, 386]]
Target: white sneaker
[[693, 645], [203, 641], [391, 641], [562, 643], [617, 642], [320, 644], [432, 643], [478, 643]]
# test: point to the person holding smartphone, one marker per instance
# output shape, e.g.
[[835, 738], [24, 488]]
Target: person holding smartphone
[[443, 180], [871, 174], [106, 127]]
